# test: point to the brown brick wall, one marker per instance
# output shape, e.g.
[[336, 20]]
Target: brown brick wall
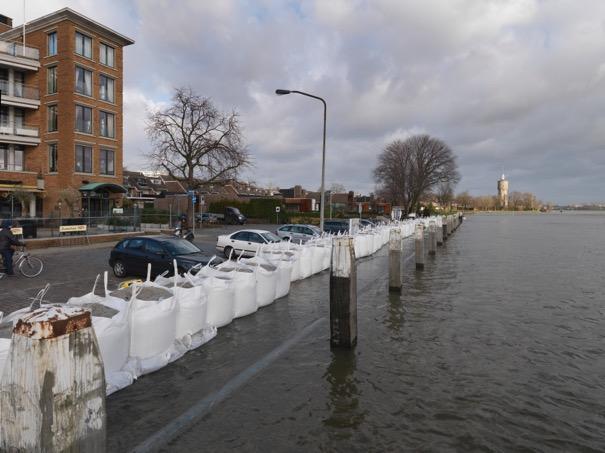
[[66, 98]]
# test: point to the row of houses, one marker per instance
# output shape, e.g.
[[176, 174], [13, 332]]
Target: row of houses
[[168, 194]]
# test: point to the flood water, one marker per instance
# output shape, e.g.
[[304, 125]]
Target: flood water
[[498, 345]]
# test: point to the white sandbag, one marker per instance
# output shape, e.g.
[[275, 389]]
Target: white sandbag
[[306, 261], [317, 258], [266, 279], [192, 304], [284, 270], [327, 261], [244, 287], [153, 326], [113, 333], [221, 298]]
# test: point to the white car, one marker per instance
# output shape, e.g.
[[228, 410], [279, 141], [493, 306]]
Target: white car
[[247, 241]]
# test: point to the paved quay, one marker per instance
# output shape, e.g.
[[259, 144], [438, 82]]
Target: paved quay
[[71, 271]]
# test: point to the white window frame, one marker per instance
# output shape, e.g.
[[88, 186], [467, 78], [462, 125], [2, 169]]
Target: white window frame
[[81, 40], [86, 85], [84, 107]]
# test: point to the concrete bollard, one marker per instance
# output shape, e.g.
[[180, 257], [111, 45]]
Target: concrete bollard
[[52, 395], [419, 242], [444, 228], [343, 293], [432, 238], [395, 260]]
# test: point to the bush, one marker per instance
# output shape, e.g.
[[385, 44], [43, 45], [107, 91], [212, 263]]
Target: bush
[[152, 215]]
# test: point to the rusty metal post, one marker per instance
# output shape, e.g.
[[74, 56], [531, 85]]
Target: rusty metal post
[[52, 395], [395, 260], [343, 293], [432, 238]]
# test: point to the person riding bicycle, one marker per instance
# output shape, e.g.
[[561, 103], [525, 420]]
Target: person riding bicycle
[[7, 243], [183, 225]]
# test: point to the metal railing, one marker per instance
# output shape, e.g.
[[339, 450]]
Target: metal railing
[[19, 90], [7, 128], [18, 50], [11, 167], [48, 227]]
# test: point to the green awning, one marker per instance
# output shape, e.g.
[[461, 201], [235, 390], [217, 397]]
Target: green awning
[[103, 187]]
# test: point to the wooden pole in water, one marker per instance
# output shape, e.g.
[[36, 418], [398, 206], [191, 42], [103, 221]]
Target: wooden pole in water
[[395, 260], [419, 242], [439, 233], [432, 238], [444, 228], [343, 293], [52, 395]]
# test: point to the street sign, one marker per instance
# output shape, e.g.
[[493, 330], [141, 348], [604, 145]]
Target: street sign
[[118, 210], [277, 209], [193, 199], [191, 193]]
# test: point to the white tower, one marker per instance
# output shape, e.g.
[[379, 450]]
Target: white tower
[[503, 192]]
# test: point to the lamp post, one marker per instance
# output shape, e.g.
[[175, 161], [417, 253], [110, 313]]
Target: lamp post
[[323, 155]]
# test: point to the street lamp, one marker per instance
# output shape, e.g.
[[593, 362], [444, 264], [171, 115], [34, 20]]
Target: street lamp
[[323, 155]]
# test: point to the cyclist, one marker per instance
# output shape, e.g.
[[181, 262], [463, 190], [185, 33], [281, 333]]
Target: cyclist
[[7, 243]]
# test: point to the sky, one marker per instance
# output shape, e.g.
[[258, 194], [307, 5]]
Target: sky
[[512, 86]]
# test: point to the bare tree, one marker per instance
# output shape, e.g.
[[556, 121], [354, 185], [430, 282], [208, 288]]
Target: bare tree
[[408, 170], [444, 193], [194, 142]]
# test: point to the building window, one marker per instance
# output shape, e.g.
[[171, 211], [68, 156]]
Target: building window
[[106, 55], [51, 77], [106, 91], [107, 124], [4, 115], [52, 158], [11, 158], [52, 43], [83, 45], [83, 119], [52, 118], [107, 162], [83, 81], [19, 117], [83, 159]]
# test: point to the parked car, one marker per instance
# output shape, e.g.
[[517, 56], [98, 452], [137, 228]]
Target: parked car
[[336, 226], [207, 217], [130, 256], [297, 233], [244, 240], [366, 223], [233, 216]]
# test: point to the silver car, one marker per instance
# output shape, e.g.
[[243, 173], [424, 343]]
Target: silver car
[[297, 233]]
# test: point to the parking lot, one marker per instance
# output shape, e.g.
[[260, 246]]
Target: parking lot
[[71, 271]]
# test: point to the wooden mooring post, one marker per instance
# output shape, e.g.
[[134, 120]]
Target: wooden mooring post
[[432, 238], [395, 260], [444, 228], [343, 293], [52, 395], [419, 246], [439, 232]]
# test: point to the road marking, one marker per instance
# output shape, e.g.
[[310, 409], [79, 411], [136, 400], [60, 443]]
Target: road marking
[[185, 421]]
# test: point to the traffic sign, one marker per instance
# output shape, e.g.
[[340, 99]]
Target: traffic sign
[[277, 209]]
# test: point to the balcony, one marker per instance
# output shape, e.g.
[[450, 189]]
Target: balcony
[[19, 134], [17, 55], [19, 94]]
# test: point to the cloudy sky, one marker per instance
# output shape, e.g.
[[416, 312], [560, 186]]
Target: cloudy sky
[[513, 86]]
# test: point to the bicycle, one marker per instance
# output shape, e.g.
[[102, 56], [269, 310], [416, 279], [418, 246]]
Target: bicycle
[[29, 266]]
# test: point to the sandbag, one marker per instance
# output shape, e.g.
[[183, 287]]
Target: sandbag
[[266, 279], [244, 286]]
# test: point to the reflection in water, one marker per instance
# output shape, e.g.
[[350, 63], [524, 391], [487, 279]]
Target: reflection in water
[[344, 393], [395, 314]]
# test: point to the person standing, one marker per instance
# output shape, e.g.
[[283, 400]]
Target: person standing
[[7, 242]]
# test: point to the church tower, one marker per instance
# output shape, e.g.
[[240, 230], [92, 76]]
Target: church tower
[[503, 193]]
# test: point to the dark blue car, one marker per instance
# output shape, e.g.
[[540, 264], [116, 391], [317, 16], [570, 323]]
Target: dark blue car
[[130, 256]]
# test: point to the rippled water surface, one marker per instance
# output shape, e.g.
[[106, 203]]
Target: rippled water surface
[[497, 346]]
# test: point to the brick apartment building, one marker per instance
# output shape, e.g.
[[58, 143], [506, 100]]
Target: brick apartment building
[[60, 115]]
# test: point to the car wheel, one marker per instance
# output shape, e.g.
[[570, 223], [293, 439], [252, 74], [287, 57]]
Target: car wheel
[[119, 270], [227, 251], [286, 239]]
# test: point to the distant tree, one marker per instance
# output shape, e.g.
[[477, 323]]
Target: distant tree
[[337, 188], [465, 200], [194, 142], [408, 170], [444, 194], [72, 199]]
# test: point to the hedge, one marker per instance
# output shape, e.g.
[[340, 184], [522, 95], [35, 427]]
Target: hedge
[[256, 208]]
